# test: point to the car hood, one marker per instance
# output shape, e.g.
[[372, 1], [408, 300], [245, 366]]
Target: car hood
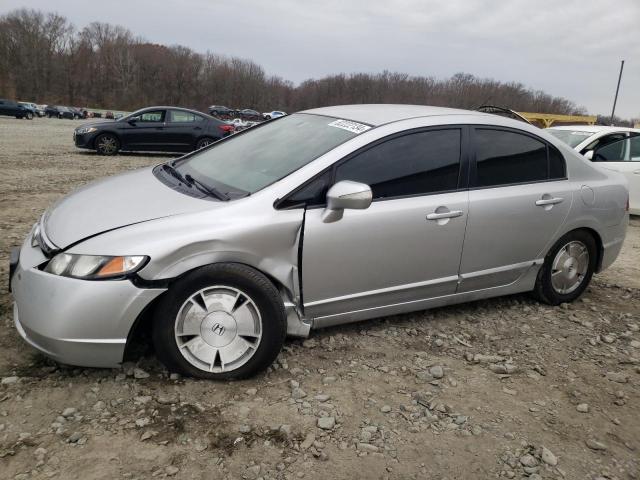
[[115, 202]]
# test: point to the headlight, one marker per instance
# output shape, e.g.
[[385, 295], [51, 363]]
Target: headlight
[[83, 130], [94, 267]]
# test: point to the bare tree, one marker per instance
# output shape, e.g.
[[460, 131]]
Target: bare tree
[[44, 59]]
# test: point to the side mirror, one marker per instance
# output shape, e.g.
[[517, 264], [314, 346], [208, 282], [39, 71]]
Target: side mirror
[[589, 155], [346, 195]]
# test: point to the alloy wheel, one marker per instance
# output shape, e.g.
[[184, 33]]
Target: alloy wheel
[[569, 267], [218, 329], [107, 145]]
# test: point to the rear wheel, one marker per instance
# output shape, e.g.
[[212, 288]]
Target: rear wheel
[[29, 116], [222, 321], [107, 144], [203, 142], [567, 268]]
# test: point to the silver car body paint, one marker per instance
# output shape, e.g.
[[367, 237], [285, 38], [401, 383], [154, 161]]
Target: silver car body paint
[[384, 260]]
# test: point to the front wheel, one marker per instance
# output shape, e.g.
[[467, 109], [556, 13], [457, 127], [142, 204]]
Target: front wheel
[[220, 322], [107, 144], [29, 116], [567, 268]]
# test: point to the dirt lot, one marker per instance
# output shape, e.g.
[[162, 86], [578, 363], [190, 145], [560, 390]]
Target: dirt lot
[[504, 388]]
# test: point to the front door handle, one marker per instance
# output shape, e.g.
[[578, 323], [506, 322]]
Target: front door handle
[[549, 201], [440, 216]]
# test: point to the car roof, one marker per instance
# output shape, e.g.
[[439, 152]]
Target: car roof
[[594, 128], [379, 114], [168, 107]]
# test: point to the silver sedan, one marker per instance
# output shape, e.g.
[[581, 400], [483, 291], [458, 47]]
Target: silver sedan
[[319, 218]]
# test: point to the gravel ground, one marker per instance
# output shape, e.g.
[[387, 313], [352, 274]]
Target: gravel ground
[[503, 388]]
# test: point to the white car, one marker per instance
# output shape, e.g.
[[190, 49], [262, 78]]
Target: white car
[[239, 124], [615, 148], [274, 114]]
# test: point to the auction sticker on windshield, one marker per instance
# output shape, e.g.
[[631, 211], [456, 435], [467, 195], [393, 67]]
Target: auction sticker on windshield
[[350, 126]]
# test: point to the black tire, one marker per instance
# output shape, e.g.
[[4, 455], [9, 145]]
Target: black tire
[[203, 142], [246, 279], [545, 290], [107, 144], [29, 116]]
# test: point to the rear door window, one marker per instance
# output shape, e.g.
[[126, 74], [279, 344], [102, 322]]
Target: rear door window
[[505, 157], [179, 116]]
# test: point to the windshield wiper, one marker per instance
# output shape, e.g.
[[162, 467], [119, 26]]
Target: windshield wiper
[[175, 173], [205, 188], [190, 181]]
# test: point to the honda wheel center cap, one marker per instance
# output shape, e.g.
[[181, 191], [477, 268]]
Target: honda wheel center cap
[[218, 329]]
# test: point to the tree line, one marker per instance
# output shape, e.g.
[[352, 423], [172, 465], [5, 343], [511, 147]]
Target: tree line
[[46, 59]]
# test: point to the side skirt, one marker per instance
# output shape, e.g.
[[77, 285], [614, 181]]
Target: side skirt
[[525, 283]]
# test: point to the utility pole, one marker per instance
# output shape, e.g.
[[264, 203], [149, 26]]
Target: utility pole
[[615, 100]]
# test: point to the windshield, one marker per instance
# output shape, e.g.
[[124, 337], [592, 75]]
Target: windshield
[[263, 155], [571, 137]]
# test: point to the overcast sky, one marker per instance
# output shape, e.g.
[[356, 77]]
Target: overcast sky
[[569, 48]]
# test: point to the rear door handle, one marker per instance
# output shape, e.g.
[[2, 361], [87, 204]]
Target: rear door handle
[[549, 201], [439, 216]]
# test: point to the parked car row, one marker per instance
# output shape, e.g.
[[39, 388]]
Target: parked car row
[[248, 114], [37, 110], [240, 124], [29, 110], [12, 108]]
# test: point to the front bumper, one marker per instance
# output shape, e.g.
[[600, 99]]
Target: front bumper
[[76, 322], [83, 140]]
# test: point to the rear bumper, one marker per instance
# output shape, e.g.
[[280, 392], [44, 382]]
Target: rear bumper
[[77, 322], [612, 245]]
